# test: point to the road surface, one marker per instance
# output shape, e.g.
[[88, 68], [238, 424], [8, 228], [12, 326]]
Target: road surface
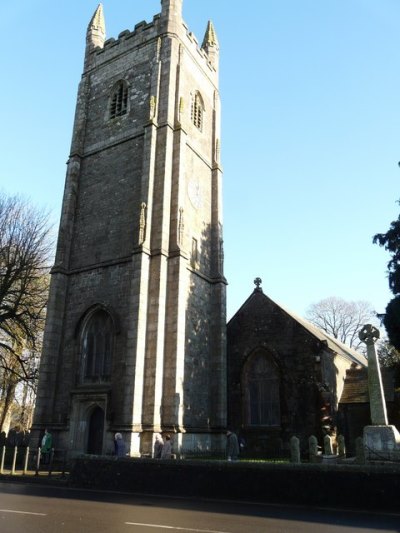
[[35, 508]]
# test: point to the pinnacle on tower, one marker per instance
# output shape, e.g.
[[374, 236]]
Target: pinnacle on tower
[[210, 44], [210, 37], [96, 32], [171, 9]]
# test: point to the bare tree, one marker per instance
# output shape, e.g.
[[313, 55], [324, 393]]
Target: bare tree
[[341, 319], [25, 247]]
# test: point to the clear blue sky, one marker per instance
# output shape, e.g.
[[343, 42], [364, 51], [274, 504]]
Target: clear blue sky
[[310, 141]]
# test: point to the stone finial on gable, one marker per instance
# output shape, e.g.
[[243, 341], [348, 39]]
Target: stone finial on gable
[[257, 283]]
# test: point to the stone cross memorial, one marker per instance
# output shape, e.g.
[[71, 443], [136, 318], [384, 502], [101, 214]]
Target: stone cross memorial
[[369, 334], [381, 441]]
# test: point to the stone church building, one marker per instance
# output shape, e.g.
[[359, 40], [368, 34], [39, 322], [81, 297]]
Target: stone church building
[[285, 376], [135, 339]]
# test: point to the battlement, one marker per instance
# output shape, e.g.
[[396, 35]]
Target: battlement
[[143, 33], [194, 43]]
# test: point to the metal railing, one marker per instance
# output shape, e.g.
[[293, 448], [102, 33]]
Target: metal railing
[[26, 461]]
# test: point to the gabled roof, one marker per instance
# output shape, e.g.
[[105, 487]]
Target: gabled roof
[[356, 385], [332, 343]]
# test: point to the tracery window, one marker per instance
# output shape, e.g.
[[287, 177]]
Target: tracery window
[[197, 111], [119, 100], [261, 382], [97, 345]]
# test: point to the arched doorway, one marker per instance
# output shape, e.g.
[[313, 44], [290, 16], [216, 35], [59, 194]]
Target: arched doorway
[[96, 431]]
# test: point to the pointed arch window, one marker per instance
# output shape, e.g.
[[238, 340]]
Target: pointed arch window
[[119, 100], [197, 111], [96, 347], [261, 384]]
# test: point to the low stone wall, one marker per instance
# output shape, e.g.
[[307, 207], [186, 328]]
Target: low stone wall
[[375, 487]]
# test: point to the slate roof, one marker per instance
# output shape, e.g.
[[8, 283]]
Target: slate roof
[[335, 345], [356, 385], [332, 343]]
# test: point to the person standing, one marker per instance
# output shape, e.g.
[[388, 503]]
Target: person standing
[[46, 446], [232, 446], [119, 445], [158, 446], [166, 451]]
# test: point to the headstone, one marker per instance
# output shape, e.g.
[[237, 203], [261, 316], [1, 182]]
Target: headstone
[[328, 449], [313, 448], [341, 446], [360, 455], [328, 456], [295, 450]]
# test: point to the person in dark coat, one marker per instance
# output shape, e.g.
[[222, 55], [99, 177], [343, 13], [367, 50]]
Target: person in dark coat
[[119, 445], [166, 452], [232, 446], [158, 446]]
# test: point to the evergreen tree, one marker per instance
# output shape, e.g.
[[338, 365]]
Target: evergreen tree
[[389, 357], [391, 242], [392, 321]]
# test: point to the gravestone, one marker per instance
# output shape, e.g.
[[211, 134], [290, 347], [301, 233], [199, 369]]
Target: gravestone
[[341, 446], [360, 454], [295, 450], [328, 448], [329, 456], [314, 454]]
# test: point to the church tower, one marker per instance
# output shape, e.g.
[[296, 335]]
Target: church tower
[[135, 335]]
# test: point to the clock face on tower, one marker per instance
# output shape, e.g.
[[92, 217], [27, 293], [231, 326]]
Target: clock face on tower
[[194, 192]]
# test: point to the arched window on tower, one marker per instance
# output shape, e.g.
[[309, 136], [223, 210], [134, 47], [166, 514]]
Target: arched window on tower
[[197, 110], [119, 100], [96, 347], [261, 381]]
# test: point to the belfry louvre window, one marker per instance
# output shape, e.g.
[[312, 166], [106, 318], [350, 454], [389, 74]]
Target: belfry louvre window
[[197, 111], [261, 382], [119, 100], [97, 345]]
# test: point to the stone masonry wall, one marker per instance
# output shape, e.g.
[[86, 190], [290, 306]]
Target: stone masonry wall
[[140, 192], [262, 324]]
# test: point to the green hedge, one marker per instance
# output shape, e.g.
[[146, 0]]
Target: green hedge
[[371, 487]]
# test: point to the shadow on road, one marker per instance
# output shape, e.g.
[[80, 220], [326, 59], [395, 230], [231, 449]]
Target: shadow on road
[[362, 520]]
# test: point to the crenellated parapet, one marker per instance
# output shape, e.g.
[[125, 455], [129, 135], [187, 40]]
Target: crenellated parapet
[[142, 34], [100, 50]]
